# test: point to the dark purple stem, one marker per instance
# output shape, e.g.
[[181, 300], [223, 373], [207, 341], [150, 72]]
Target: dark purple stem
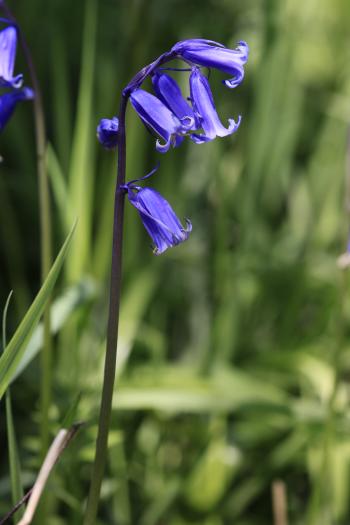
[[136, 82], [114, 299], [112, 329]]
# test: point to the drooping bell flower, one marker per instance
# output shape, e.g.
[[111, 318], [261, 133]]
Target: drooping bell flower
[[157, 116], [158, 217], [212, 54], [8, 44], [107, 132], [9, 101], [204, 107], [169, 92]]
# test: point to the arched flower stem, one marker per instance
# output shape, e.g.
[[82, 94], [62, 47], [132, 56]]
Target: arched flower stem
[[114, 299]]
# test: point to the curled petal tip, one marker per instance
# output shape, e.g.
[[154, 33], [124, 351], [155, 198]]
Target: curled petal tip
[[233, 125], [188, 228], [234, 82], [163, 148]]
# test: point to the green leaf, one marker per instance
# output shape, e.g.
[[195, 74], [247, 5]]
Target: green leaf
[[80, 181], [179, 388], [211, 476], [59, 187], [70, 416], [17, 346], [14, 463], [61, 310]]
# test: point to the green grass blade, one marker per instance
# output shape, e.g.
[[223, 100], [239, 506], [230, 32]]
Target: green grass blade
[[15, 468], [59, 187], [80, 187], [4, 317], [14, 464], [16, 347], [61, 310]]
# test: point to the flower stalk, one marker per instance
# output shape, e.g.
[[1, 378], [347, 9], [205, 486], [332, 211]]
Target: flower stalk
[[112, 327], [171, 118]]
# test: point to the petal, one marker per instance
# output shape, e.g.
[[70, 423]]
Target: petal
[[159, 219], [8, 103], [203, 102], [107, 132], [8, 44], [192, 43], [229, 61], [169, 92], [154, 113], [158, 117]]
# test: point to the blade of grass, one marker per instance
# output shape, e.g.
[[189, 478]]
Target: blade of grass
[[17, 346], [59, 187], [15, 469], [80, 186], [61, 311]]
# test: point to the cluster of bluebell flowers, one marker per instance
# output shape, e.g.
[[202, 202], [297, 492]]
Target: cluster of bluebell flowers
[[10, 84], [171, 117]]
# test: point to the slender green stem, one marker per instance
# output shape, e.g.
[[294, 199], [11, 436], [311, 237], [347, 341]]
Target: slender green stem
[[46, 255], [45, 235], [112, 329], [15, 471]]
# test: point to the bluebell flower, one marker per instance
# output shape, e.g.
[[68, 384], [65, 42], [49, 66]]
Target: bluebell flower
[[212, 54], [158, 217], [107, 132], [8, 102], [8, 44], [169, 92], [204, 107], [160, 118]]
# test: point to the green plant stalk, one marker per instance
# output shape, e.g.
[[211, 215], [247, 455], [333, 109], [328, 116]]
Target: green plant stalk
[[46, 252], [112, 329], [45, 236], [15, 470]]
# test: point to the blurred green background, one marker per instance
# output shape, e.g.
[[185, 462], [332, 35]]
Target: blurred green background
[[234, 354]]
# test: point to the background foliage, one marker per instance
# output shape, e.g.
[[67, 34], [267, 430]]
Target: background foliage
[[234, 347]]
